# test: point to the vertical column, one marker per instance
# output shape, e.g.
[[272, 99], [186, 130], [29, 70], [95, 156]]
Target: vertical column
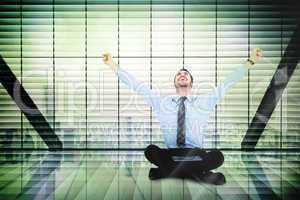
[[134, 51], [37, 45], [102, 85], [291, 95], [232, 52], [265, 33], [10, 50], [70, 69]]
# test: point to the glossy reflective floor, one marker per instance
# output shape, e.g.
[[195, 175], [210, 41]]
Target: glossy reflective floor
[[124, 175]]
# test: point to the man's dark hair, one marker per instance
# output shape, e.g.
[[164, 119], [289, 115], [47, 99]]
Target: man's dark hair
[[183, 69]]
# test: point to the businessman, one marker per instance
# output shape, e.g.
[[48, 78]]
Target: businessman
[[183, 118]]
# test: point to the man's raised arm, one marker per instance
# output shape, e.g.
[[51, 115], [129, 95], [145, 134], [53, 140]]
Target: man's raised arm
[[152, 98], [238, 74]]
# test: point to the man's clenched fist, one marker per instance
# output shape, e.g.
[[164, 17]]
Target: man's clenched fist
[[256, 55], [107, 59]]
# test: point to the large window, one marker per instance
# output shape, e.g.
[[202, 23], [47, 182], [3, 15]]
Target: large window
[[54, 48]]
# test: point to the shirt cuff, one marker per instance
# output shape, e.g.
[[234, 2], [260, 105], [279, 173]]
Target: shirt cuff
[[117, 71]]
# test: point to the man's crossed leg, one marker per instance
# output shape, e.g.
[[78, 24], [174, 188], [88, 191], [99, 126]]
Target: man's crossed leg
[[185, 163]]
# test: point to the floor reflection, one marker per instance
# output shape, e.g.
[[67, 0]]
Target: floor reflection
[[257, 176], [124, 175], [41, 185]]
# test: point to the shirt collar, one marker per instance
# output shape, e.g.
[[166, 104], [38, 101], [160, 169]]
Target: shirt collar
[[176, 98]]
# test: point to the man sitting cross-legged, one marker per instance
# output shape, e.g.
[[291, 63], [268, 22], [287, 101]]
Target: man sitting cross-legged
[[182, 118]]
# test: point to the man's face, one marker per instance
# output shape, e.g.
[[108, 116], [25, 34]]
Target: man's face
[[183, 79]]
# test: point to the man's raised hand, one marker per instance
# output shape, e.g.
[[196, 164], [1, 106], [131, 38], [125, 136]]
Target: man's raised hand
[[256, 55], [107, 59]]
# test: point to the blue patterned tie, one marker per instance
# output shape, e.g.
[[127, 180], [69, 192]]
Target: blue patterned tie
[[180, 122]]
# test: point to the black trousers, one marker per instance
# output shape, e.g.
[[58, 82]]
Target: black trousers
[[163, 159]]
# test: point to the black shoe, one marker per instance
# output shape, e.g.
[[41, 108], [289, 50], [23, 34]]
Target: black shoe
[[155, 173], [216, 178]]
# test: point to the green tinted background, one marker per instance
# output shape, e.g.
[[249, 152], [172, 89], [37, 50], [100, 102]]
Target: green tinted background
[[54, 48]]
